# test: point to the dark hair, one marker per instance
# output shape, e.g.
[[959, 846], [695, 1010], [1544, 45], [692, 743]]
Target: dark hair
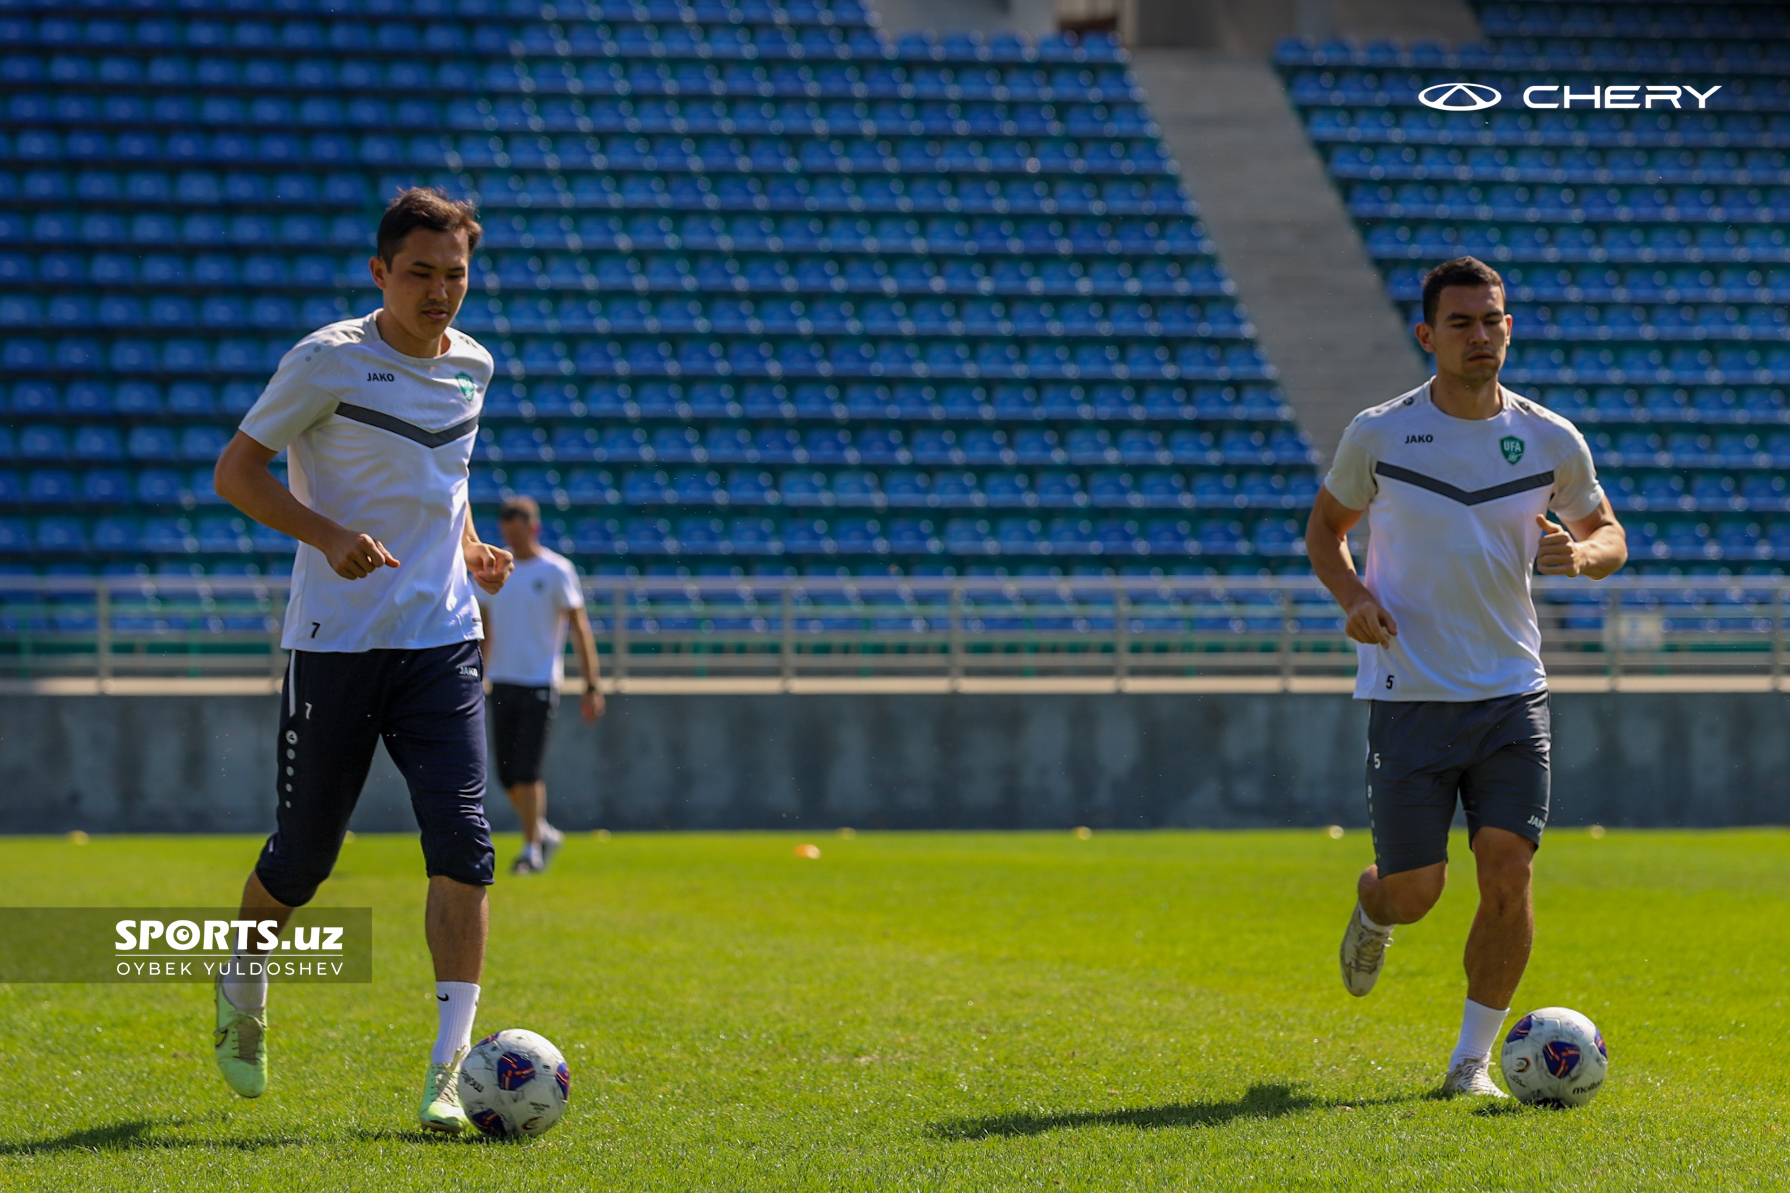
[[519, 506], [425, 207], [1462, 271]]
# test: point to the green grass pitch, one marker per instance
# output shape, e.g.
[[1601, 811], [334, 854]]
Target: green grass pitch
[[935, 1011]]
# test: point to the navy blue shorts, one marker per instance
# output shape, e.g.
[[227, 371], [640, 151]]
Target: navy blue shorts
[[520, 719], [429, 708], [1491, 755]]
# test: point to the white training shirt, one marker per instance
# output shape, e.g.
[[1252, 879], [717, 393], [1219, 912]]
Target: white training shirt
[[378, 442], [1451, 506], [528, 621]]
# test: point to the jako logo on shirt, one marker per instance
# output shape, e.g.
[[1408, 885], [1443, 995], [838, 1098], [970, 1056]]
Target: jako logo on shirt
[[1420, 438], [469, 388], [1512, 448]]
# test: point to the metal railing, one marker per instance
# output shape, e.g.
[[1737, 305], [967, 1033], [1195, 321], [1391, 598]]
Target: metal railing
[[951, 628]]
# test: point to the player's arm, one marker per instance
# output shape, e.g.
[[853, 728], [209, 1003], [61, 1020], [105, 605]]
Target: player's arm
[[592, 703], [1596, 548], [1327, 544], [490, 566], [241, 478]]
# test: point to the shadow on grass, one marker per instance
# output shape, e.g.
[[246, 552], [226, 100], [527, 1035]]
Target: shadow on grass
[[1488, 1108], [1500, 1109], [1268, 1100], [429, 1138], [134, 1136]]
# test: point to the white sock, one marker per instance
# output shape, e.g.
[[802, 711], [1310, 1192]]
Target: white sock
[[1367, 923], [246, 991], [1479, 1031], [456, 1003]]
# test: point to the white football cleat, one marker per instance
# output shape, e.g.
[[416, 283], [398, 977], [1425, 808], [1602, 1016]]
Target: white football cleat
[[551, 840], [1472, 1078], [1363, 953]]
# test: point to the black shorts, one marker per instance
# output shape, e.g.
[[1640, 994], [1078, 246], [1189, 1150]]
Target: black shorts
[[520, 718], [1422, 755], [429, 707]]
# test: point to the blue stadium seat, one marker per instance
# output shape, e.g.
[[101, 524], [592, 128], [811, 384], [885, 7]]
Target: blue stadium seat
[[666, 294], [42, 441], [60, 535], [152, 443], [1643, 229], [51, 486]]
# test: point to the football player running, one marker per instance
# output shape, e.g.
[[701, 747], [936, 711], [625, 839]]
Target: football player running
[[1457, 478], [378, 415], [525, 646]]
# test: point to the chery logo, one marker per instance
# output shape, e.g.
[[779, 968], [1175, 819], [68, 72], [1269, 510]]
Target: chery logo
[[1474, 97], [1459, 97]]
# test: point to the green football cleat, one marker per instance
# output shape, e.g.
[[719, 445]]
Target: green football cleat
[[441, 1110], [240, 1046]]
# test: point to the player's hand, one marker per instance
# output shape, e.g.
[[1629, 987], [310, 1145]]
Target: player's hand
[[355, 556], [592, 706], [490, 566], [1369, 624], [1558, 555]]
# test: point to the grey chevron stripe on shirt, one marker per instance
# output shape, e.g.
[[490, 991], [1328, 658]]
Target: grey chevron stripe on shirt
[[1464, 496], [410, 431]]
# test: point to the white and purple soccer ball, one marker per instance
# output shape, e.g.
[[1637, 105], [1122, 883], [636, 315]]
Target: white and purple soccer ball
[[1555, 1057], [514, 1083]]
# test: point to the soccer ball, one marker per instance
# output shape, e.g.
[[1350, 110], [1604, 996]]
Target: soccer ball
[[1555, 1057], [514, 1083]]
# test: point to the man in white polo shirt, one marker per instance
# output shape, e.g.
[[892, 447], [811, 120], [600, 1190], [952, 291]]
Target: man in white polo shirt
[[1458, 477], [525, 647], [378, 417]]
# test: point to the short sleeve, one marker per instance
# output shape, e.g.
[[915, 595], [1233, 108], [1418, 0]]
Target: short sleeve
[[292, 403], [1576, 491], [1351, 478], [571, 592]]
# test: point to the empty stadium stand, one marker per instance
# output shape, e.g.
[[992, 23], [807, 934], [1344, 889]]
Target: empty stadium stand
[[1317, 302], [1647, 248], [768, 292]]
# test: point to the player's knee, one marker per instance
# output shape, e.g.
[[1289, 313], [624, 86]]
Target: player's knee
[[1507, 876], [462, 853], [1503, 854], [1414, 904], [1413, 893], [295, 884], [293, 865], [1506, 869]]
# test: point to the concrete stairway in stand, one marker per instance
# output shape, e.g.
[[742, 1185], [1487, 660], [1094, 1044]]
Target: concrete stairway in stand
[[1302, 272], [1030, 17]]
